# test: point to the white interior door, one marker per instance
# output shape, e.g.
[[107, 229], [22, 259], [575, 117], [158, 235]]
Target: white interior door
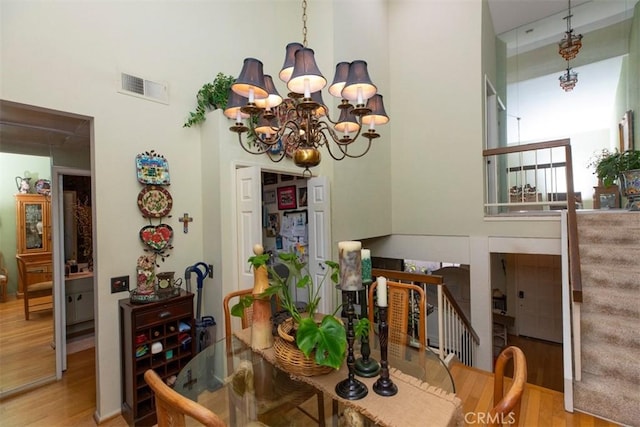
[[249, 208], [319, 214], [539, 295]]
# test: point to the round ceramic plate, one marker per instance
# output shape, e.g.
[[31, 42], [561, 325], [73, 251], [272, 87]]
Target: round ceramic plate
[[154, 202], [43, 186]]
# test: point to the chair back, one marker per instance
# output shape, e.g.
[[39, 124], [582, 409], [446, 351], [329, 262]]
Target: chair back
[[506, 406], [172, 407], [247, 315], [399, 298]]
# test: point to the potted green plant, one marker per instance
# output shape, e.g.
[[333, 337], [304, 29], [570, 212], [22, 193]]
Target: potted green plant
[[323, 336], [211, 96], [609, 165]]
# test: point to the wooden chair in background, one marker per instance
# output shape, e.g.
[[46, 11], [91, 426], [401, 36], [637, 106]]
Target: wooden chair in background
[[37, 283], [506, 406], [399, 306], [171, 407]]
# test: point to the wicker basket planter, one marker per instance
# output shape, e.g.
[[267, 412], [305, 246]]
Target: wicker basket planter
[[291, 358]]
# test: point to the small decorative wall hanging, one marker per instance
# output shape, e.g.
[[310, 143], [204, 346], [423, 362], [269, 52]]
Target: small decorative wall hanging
[[185, 219], [152, 168], [154, 201], [157, 239]]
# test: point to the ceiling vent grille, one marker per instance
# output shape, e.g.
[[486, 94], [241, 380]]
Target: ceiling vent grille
[[143, 88]]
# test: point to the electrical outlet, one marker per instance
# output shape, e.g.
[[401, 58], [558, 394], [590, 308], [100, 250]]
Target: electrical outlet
[[119, 284], [210, 271]]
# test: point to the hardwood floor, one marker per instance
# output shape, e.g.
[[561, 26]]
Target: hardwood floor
[[540, 406], [26, 351], [544, 361]]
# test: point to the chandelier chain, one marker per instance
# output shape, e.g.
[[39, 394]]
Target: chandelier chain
[[304, 23]]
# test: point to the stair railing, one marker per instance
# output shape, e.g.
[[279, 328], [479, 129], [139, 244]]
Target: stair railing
[[455, 334], [528, 161]]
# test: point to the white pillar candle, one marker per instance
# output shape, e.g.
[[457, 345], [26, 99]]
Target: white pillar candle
[[350, 265], [382, 291]]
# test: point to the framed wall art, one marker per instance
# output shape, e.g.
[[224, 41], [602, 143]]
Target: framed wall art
[[269, 197], [269, 178], [302, 197], [625, 128], [287, 197], [273, 224]]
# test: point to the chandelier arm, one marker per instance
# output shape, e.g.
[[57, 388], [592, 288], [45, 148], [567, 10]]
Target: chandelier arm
[[334, 156]]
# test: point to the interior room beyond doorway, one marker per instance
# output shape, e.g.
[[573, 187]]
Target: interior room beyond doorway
[[526, 289]]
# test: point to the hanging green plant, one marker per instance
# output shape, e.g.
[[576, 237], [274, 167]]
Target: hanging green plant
[[211, 97]]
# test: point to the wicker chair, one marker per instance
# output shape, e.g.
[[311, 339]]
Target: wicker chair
[[399, 299], [171, 407]]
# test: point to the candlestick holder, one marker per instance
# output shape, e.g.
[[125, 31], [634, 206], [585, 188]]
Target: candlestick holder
[[384, 386], [351, 388], [366, 366]]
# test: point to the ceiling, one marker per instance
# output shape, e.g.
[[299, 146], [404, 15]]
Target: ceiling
[[31, 126]]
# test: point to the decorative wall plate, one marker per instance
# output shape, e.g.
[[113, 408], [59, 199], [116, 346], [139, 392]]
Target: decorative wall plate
[[154, 201], [157, 237], [43, 186], [152, 168]]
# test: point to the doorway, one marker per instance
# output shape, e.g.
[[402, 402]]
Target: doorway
[[528, 289], [60, 137], [255, 203]]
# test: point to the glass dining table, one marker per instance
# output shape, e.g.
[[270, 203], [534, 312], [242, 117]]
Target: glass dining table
[[248, 388]]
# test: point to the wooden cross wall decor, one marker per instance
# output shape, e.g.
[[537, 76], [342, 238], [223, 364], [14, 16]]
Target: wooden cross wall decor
[[185, 220]]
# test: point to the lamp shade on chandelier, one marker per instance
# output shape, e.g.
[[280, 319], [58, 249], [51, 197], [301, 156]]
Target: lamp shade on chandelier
[[300, 125]]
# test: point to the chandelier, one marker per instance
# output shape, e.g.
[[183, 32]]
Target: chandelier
[[569, 79], [570, 45], [300, 125]]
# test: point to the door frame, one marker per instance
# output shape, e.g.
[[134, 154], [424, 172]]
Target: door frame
[[57, 222], [327, 297]]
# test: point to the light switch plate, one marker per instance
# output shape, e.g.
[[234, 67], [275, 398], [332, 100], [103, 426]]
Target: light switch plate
[[119, 284]]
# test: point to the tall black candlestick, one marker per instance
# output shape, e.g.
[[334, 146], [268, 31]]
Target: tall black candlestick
[[351, 388], [366, 366], [384, 386]]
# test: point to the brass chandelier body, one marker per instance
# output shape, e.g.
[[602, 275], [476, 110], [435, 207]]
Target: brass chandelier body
[[300, 125]]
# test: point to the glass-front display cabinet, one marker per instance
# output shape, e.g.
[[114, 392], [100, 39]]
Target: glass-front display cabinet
[[33, 226]]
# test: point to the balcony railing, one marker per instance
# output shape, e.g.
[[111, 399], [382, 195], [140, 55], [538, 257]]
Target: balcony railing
[[533, 179]]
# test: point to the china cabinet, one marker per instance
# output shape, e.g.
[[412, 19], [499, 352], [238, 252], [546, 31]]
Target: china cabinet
[[33, 216], [33, 239]]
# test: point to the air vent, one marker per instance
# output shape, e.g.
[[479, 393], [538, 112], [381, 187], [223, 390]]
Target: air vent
[[143, 88]]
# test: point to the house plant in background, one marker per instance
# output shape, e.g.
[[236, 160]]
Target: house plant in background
[[622, 167], [211, 96], [308, 343]]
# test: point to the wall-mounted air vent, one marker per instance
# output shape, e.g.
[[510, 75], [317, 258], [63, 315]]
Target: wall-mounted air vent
[[143, 88]]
